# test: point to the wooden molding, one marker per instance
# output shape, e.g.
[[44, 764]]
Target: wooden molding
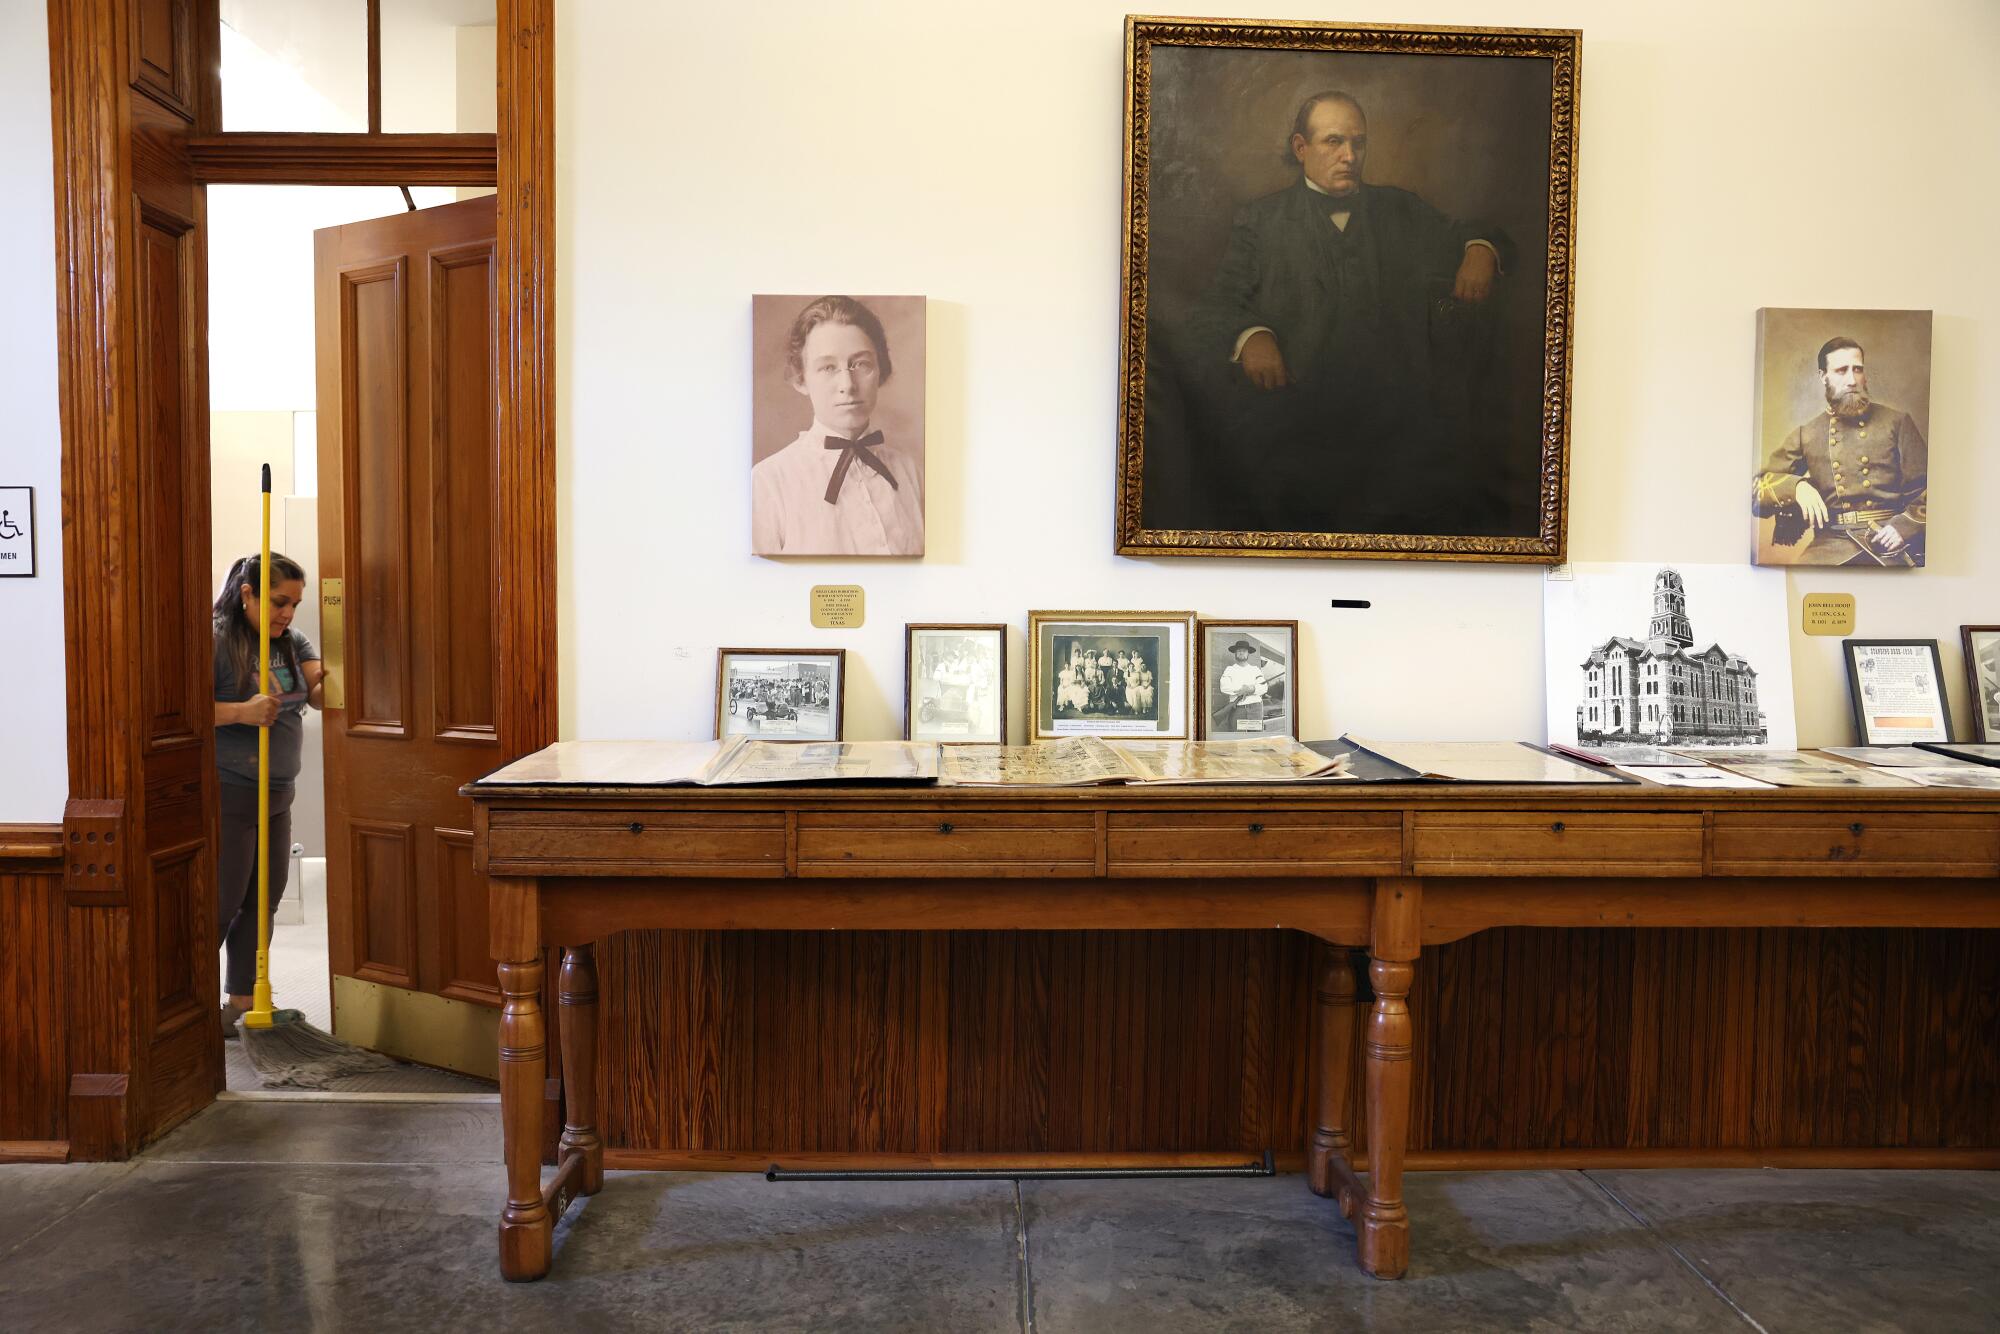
[[525, 480], [343, 159]]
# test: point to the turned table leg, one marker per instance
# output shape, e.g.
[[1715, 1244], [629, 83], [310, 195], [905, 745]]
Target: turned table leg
[[577, 993], [1384, 1230], [1328, 1168], [526, 1226]]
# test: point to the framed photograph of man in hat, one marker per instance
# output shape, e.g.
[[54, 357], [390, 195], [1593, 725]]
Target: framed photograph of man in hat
[[1110, 673], [780, 694], [1347, 271], [1249, 676]]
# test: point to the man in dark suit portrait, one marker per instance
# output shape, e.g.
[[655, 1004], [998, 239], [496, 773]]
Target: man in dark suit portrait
[[1854, 480], [1336, 375]]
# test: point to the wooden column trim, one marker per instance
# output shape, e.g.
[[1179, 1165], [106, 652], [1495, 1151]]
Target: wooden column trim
[[100, 485], [525, 475]]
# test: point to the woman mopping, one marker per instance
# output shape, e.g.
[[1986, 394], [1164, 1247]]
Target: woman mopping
[[296, 677]]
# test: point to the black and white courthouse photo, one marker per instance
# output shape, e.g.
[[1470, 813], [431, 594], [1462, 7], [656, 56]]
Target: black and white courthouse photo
[[779, 694], [1248, 675], [1842, 453], [956, 683], [837, 426], [1348, 294], [1687, 655]]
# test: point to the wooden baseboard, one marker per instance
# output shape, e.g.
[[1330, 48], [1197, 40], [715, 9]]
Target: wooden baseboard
[[1418, 1160], [34, 1150]]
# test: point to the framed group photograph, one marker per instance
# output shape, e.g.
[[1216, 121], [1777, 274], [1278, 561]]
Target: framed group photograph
[[1249, 674], [1841, 464], [1982, 678], [1898, 690], [955, 683], [1110, 673], [1347, 272], [837, 425], [779, 694]]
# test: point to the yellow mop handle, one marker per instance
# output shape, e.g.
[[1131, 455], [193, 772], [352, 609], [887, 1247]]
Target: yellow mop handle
[[259, 1013]]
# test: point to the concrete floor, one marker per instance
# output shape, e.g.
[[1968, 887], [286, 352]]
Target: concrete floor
[[380, 1216]]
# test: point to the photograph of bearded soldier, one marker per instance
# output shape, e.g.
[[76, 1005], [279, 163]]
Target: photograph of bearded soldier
[[1849, 485]]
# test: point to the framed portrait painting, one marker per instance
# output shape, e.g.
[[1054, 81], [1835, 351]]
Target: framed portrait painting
[[1110, 673], [955, 683], [779, 694], [1249, 675], [1347, 271]]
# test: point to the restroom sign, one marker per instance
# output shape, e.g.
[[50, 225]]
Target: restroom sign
[[17, 532]]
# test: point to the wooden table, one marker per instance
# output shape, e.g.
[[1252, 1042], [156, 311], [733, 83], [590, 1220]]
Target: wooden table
[[1375, 872]]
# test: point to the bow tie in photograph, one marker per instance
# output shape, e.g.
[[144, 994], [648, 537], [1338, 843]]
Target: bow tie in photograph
[[851, 450]]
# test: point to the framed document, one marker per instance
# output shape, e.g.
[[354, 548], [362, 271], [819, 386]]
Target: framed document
[[779, 694], [1982, 678], [955, 683], [1898, 691], [1249, 679], [1110, 673]]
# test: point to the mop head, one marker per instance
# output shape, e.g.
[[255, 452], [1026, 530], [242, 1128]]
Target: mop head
[[294, 1054]]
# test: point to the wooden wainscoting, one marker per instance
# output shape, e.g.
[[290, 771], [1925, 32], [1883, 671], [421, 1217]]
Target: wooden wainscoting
[[33, 1072], [1749, 1044]]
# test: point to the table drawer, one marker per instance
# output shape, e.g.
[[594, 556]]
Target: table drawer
[[608, 842], [970, 843], [1557, 843], [1253, 843], [1878, 843]]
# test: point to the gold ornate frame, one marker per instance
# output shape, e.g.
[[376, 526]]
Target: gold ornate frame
[[1549, 546]]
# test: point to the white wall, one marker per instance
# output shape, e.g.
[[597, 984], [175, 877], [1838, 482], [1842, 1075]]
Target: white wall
[[973, 153], [34, 763]]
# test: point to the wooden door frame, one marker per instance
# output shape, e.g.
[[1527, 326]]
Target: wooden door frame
[[115, 115]]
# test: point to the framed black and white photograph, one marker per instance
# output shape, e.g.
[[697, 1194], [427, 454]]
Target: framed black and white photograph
[[1897, 686], [779, 694], [1249, 679], [1347, 278], [955, 683], [1110, 673], [1982, 678]]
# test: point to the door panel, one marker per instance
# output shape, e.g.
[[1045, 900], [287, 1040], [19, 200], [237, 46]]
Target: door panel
[[407, 465]]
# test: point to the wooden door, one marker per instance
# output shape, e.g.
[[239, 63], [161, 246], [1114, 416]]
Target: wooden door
[[409, 600]]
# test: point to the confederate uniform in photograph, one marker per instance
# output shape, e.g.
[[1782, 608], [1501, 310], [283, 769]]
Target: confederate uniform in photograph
[[1851, 482]]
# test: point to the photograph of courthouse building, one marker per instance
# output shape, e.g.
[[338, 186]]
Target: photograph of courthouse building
[[1659, 690]]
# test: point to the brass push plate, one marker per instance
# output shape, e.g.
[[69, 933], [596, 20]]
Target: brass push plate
[[333, 641]]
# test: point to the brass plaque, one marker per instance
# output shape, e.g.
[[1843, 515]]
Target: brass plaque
[[838, 606], [1827, 613], [333, 641]]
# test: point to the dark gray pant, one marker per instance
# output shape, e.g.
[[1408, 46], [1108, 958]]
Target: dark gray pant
[[236, 877]]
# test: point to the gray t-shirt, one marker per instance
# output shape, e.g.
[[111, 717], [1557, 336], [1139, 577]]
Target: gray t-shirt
[[236, 743]]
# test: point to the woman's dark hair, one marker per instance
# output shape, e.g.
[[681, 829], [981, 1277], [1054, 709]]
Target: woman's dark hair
[[833, 310], [233, 627]]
